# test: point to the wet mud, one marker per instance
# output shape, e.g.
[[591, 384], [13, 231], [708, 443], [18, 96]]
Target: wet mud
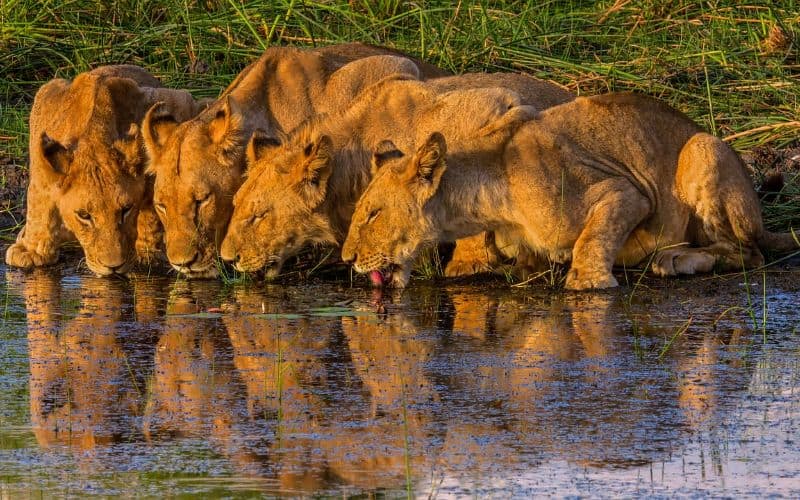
[[155, 386]]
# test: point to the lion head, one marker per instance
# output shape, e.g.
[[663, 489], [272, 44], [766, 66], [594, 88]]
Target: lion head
[[197, 165], [393, 218], [99, 192], [270, 225]]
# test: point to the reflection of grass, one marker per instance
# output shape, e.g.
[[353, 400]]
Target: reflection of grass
[[406, 446], [680, 331], [279, 389]]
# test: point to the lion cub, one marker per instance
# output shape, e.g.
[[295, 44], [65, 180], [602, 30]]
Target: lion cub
[[598, 181], [87, 170], [199, 164], [304, 190]]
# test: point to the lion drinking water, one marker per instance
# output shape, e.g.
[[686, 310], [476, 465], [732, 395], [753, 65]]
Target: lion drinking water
[[616, 178], [199, 164], [303, 190], [86, 169]]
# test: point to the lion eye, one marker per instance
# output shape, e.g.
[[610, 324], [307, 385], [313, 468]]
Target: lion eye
[[373, 215], [202, 200], [84, 216], [126, 211], [258, 217]]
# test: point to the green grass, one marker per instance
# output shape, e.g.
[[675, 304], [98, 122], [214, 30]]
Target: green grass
[[723, 62]]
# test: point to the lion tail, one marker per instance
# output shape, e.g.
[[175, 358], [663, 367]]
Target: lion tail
[[780, 242]]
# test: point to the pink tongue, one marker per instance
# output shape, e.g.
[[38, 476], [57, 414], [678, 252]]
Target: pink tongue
[[376, 277]]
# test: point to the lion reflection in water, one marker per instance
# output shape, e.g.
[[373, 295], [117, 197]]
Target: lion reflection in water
[[82, 392], [451, 382], [332, 386]]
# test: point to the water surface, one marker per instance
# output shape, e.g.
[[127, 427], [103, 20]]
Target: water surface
[[159, 386]]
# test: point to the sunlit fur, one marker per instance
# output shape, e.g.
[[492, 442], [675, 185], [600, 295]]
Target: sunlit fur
[[199, 165], [390, 224], [87, 180], [303, 191], [598, 181]]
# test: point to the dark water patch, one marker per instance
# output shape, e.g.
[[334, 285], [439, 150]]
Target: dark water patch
[[154, 386]]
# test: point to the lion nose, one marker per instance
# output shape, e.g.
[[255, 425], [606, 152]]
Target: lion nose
[[115, 269], [187, 262], [349, 257]]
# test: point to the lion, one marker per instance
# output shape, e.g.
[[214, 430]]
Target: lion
[[613, 179], [86, 170], [199, 164], [303, 190], [83, 392]]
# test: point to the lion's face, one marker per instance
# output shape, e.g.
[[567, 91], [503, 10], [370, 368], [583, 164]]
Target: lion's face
[[198, 167], [392, 221], [100, 191], [278, 211]]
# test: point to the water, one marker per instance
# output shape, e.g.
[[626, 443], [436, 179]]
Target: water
[[162, 387]]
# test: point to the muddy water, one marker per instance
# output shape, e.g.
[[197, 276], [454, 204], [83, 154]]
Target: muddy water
[[156, 386]]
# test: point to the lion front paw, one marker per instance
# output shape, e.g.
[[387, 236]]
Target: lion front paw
[[18, 255], [588, 279], [147, 255], [462, 267]]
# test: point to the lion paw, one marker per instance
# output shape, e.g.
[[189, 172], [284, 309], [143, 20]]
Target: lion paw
[[587, 280], [682, 261], [150, 255], [18, 255], [460, 267]]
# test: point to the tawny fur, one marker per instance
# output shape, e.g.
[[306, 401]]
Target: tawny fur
[[199, 165], [304, 191], [86, 158], [598, 181]]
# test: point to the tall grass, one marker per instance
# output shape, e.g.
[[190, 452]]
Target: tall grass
[[732, 66]]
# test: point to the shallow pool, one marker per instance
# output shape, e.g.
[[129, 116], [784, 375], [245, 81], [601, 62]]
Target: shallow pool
[[157, 386]]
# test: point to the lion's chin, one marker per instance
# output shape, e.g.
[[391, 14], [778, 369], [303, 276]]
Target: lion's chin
[[270, 269], [198, 274], [104, 272]]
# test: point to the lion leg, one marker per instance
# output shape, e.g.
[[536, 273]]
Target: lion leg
[[149, 237], [713, 182], [607, 226], [39, 240], [472, 255]]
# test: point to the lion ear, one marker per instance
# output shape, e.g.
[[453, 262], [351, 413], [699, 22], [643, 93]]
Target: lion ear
[[56, 155], [158, 125], [428, 165], [226, 127], [260, 145], [316, 169], [384, 151], [130, 150]]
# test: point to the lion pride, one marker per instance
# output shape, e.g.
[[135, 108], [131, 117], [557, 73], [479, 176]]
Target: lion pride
[[199, 164], [86, 169], [304, 190], [617, 178]]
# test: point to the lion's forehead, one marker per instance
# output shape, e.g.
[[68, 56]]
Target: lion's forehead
[[104, 192], [176, 189]]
